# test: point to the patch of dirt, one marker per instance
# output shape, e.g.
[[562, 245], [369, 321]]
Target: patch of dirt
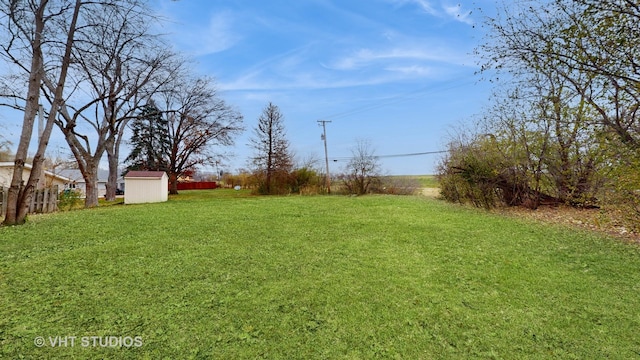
[[431, 192], [597, 220], [591, 219]]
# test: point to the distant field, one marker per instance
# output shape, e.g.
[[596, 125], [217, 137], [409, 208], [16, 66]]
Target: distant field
[[222, 274], [426, 181]]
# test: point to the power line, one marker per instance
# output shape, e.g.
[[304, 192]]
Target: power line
[[394, 155], [398, 98], [413, 154]]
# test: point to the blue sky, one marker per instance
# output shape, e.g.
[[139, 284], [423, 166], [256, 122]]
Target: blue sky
[[396, 73]]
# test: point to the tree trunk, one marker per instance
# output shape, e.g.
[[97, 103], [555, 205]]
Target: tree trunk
[[19, 197], [20, 194], [37, 170], [173, 183], [15, 197], [112, 180], [17, 191], [90, 176], [113, 157]]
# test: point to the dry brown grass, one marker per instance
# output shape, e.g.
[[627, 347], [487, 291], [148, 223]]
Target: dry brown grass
[[599, 220], [606, 221]]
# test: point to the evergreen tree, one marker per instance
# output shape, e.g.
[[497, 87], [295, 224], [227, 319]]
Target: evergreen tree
[[150, 141]]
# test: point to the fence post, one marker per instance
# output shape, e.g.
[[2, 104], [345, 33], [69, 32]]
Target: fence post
[[3, 201], [53, 199], [32, 204], [42, 201], [38, 207], [45, 200]]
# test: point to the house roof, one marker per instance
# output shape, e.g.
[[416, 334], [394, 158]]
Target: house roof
[[73, 174], [29, 166], [144, 174], [76, 175]]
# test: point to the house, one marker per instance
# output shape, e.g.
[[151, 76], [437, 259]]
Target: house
[[50, 178], [78, 182], [186, 176], [146, 187]]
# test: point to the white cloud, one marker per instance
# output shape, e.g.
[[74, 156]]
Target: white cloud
[[452, 11], [291, 70], [413, 70], [367, 57], [216, 36], [425, 5], [301, 80]]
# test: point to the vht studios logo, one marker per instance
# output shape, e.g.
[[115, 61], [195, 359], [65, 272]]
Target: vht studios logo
[[88, 341]]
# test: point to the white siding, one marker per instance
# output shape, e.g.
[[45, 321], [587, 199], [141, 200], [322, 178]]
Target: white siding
[[145, 190], [5, 176], [6, 173]]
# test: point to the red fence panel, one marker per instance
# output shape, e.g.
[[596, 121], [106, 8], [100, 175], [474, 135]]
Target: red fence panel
[[199, 185]]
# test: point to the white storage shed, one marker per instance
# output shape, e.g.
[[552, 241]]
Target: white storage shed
[[145, 187]]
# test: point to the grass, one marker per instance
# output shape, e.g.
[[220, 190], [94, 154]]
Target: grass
[[428, 181], [222, 274]]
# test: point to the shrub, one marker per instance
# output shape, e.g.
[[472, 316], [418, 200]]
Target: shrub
[[69, 199], [306, 181], [469, 174], [622, 192]]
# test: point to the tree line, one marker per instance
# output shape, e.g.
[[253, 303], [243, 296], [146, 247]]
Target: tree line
[[93, 67], [563, 123], [273, 170]]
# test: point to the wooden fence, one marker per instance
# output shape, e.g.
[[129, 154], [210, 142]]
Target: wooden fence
[[3, 201], [42, 201]]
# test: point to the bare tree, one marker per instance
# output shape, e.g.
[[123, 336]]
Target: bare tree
[[157, 76], [536, 145], [545, 138], [115, 67], [590, 44], [38, 38], [363, 169], [272, 155], [199, 121]]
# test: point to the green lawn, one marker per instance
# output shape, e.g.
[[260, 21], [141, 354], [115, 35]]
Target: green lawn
[[221, 274]]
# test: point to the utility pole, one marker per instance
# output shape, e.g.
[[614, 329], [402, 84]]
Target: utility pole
[[326, 156]]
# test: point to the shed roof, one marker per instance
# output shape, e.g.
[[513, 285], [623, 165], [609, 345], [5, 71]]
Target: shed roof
[[144, 174]]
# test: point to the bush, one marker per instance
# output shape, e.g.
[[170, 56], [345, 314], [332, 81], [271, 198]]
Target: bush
[[622, 192], [69, 199], [470, 174], [306, 181], [357, 184]]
